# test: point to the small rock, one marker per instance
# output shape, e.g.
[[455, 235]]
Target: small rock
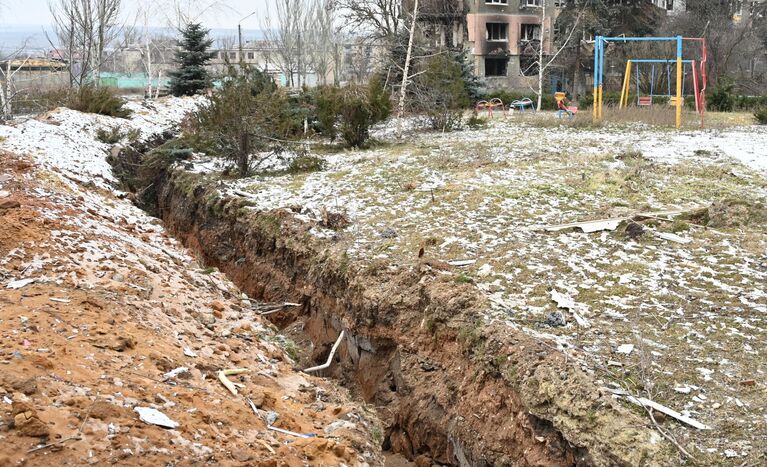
[[4, 194], [218, 306], [634, 230], [26, 422], [258, 397], [389, 233], [9, 204], [123, 343], [485, 270], [748, 382], [340, 424], [555, 319], [241, 455]]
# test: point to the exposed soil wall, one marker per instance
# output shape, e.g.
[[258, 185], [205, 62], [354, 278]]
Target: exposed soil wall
[[451, 389]]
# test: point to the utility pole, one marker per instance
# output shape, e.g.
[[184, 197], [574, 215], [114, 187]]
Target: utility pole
[[239, 35]]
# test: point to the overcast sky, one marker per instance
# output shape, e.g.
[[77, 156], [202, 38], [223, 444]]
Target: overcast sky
[[226, 15]]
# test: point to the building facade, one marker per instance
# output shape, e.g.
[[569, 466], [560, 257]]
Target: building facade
[[503, 37]]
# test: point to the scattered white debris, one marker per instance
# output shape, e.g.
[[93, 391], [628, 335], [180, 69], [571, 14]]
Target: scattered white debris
[[17, 284], [672, 237], [588, 226], [566, 302], [706, 373], [175, 372], [683, 389], [644, 402], [462, 262], [625, 349], [189, 352], [155, 417]]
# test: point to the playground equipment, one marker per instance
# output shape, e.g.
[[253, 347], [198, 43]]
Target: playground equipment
[[491, 107], [522, 104], [677, 99], [562, 108], [647, 100]]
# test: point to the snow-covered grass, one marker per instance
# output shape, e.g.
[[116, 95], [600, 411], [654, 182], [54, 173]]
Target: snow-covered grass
[[693, 311], [482, 194], [65, 140]]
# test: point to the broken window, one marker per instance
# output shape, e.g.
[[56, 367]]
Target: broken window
[[528, 65], [496, 66], [232, 55], [530, 2], [497, 32], [530, 32], [251, 55], [497, 2]]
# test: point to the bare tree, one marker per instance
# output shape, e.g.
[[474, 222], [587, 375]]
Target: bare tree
[[377, 18], [179, 13], [732, 46], [405, 74], [288, 37], [323, 39], [86, 28], [154, 49], [9, 66], [541, 64]]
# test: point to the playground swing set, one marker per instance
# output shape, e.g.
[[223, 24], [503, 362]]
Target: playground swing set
[[676, 100], [675, 93]]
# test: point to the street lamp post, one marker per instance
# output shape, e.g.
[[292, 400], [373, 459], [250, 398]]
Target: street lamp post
[[239, 34]]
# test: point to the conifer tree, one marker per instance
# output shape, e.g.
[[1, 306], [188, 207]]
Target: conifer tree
[[191, 75]]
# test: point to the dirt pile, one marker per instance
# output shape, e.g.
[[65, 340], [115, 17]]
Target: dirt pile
[[102, 313]]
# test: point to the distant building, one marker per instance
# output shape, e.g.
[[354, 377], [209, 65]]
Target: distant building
[[672, 7], [37, 73], [503, 36]]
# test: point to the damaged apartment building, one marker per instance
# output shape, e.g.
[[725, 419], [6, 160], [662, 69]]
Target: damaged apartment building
[[503, 36]]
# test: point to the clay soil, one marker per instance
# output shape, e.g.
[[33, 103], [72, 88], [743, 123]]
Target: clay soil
[[115, 306]]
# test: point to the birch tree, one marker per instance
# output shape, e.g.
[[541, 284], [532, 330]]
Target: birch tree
[[406, 72], [11, 65], [543, 62], [323, 39], [86, 28], [287, 34]]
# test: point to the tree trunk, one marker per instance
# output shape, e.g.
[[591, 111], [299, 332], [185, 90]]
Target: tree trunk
[[577, 73], [541, 68], [244, 154], [405, 77], [149, 69]]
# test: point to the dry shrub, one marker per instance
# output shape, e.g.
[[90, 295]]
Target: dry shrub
[[729, 213], [333, 220]]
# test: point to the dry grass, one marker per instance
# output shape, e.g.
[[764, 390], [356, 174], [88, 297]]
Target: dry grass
[[659, 115]]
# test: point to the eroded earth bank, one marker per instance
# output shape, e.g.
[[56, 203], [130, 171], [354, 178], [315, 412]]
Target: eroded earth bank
[[103, 304]]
